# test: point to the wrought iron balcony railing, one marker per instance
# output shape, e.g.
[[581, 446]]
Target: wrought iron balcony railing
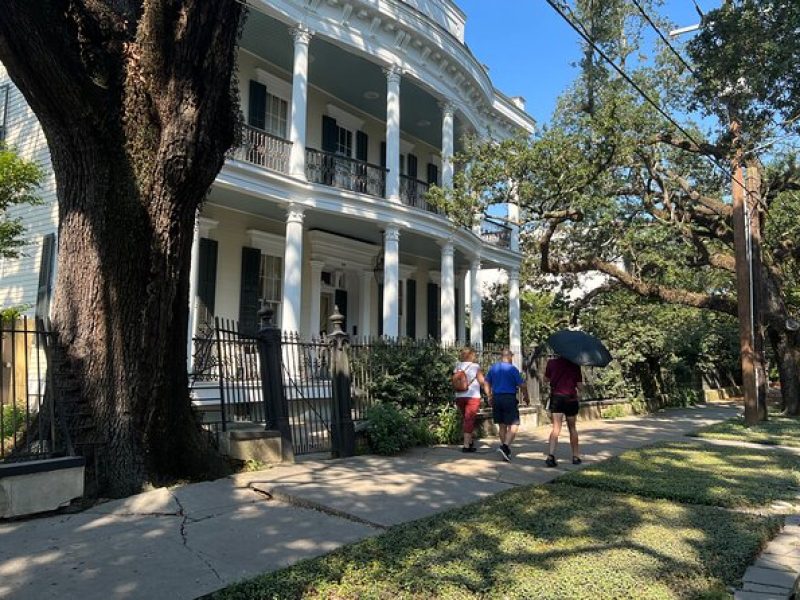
[[496, 232], [345, 173], [263, 149]]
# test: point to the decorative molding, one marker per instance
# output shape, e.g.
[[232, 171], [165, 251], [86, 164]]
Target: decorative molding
[[447, 247], [269, 243], [301, 34], [406, 147], [336, 250], [435, 277], [275, 85], [406, 271], [391, 234], [513, 274], [448, 108], [295, 213], [205, 225], [393, 74], [344, 118]]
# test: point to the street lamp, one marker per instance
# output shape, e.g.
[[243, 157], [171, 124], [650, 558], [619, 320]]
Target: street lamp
[[377, 270]]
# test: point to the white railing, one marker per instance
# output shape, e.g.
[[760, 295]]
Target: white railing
[[263, 149]]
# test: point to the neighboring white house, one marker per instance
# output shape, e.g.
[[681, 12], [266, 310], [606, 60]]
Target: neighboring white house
[[351, 109]]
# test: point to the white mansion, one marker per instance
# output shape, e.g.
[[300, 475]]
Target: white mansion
[[352, 108]]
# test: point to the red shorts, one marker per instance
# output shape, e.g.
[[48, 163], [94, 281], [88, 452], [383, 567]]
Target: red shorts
[[469, 408]]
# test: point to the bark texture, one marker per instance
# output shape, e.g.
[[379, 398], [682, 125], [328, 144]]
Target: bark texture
[[136, 100]]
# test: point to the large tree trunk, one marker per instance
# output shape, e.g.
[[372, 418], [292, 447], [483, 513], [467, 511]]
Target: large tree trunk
[[785, 344], [136, 100]]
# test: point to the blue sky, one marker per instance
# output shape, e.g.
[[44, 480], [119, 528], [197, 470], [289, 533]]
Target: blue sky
[[529, 50]]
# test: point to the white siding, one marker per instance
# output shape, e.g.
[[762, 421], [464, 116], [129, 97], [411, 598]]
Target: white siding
[[19, 278]]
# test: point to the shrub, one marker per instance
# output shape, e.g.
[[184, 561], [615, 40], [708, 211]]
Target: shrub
[[614, 412], [13, 421], [446, 426], [390, 429]]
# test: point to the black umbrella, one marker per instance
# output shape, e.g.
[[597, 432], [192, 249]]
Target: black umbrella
[[579, 348]]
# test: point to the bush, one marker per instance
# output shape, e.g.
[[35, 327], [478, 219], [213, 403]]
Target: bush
[[391, 430], [614, 412], [13, 421], [446, 426]]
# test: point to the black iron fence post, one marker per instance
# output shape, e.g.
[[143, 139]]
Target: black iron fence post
[[343, 436], [276, 408]]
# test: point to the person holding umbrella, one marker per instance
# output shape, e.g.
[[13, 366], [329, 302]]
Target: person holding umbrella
[[574, 349]]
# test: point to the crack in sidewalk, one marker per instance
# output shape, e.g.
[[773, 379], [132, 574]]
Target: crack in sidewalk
[[185, 519], [311, 505]]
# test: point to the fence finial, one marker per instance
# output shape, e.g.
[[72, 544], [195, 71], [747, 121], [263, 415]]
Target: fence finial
[[337, 321], [265, 315]]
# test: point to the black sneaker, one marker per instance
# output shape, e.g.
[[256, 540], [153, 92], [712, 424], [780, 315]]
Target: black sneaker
[[576, 460], [468, 449], [505, 453], [551, 461]]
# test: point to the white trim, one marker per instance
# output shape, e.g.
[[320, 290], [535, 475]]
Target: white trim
[[435, 277], [335, 250], [406, 147], [344, 119], [275, 85], [269, 243], [406, 271], [205, 225]]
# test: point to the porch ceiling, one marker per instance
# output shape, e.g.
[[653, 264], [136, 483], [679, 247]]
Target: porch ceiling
[[348, 77]]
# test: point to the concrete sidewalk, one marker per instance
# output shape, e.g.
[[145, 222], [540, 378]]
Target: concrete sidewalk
[[191, 540]]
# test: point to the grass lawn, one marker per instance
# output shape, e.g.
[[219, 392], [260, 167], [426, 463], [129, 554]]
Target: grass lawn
[[549, 542], [697, 473], [778, 431]]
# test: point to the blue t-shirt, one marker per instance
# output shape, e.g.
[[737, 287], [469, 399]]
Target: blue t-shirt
[[504, 378]]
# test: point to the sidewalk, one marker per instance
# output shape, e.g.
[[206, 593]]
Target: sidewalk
[[191, 540]]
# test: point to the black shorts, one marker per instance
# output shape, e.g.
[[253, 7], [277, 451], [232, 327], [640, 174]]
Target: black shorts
[[505, 410], [566, 405]]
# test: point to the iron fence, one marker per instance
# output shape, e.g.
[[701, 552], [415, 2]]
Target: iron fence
[[263, 149], [27, 412], [345, 173]]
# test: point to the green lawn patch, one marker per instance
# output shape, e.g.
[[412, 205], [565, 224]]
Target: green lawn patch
[[697, 473], [778, 431], [548, 542]]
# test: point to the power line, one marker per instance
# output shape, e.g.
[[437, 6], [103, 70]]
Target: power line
[[664, 39], [580, 30]]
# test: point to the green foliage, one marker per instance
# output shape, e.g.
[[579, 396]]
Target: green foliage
[[19, 180], [696, 473], [414, 375], [13, 421], [12, 313], [542, 312], [546, 542], [614, 412], [778, 431], [446, 426], [392, 430]]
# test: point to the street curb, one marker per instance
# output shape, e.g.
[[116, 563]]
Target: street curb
[[775, 573]]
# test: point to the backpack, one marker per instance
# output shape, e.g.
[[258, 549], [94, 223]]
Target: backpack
[[460, 382]]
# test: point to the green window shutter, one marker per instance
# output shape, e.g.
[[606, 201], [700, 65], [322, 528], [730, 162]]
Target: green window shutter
[[411, 308], [383, 154], [458, 311], [257, 105], [330, 134], [433, 311], [433, 174], [44, 292], [249, 293], [380, 309], [207, 280], [362, 146], [411, 166]]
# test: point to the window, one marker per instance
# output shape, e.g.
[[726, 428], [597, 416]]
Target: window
[[269, 282], [344, 141], [277, 116]]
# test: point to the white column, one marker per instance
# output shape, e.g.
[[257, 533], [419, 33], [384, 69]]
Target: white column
[[194, 269], [476, 319], [297, 130], [514, 317], [316, 293], [391, 278], [448, 110], [393, 133], [461, 333], [513, 221], [365, 302], [447, 295], [293, 270]]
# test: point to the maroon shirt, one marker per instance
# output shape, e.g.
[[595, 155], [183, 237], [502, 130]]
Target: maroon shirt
[[564, 377]]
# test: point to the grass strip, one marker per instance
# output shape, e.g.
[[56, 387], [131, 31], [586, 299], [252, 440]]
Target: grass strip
[[778, 431], [548, 542], [696, 473]]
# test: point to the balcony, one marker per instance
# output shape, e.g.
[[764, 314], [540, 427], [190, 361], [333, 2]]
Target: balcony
[[263, 149], [345, 173], [496, 232], [412, 193]]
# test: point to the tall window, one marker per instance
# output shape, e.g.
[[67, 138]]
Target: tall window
[[344, 142], [269, 282], [277, 116]]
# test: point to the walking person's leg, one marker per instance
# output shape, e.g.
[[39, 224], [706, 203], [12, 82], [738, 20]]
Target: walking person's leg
[[502, 432], [471, 407], [555, 431], [573, 439], [461, 403]]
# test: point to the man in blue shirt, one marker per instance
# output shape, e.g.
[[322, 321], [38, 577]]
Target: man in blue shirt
[[504, 379]]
